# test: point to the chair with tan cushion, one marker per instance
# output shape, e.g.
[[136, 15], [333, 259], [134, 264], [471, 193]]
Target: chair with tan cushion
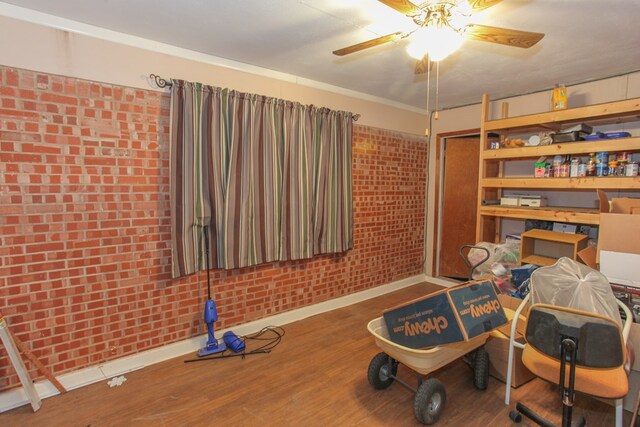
[[592, 348], [568, 287]]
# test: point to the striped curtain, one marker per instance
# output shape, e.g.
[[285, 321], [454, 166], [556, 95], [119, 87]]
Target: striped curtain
[[270, 178]]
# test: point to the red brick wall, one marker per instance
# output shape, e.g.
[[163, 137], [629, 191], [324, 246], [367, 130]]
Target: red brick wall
[[84, 227]]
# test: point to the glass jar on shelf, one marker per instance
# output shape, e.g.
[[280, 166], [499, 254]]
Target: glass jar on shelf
[[591, 165]]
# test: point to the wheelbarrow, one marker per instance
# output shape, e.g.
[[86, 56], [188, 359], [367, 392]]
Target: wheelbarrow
[[430, 394], [465, 258]]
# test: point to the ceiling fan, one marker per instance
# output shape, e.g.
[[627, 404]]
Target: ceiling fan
[[441, 27]]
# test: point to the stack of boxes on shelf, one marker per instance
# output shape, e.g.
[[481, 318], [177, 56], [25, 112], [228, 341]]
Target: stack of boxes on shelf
[[525, 200]]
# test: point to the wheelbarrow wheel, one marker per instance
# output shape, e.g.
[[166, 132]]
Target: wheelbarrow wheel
[[381, 371], [481, 369], [429, 401]]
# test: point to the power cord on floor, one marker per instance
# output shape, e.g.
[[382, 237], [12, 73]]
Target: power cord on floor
[[271, 335]]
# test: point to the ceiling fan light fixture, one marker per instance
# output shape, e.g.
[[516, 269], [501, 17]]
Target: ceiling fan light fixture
[[436, 41], [460, 16]]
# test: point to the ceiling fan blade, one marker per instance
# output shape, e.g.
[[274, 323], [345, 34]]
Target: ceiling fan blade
[[402, 6], [506, 36], [369, 43], [422, 65], [478, 5]]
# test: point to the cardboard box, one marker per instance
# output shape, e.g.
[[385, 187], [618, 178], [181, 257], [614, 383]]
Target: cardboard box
[[510, 305], [561, 227], [451, 315], [498, 350], [631, 398], [625, 205], [621, 268], [618, 247], [533, 201], [619, 233], [510, 201], [498, 345]]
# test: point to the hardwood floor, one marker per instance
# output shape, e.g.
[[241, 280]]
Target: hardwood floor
[[315, 377]]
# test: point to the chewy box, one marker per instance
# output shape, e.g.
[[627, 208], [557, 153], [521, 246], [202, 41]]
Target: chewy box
[[452, 315], [618, 249]]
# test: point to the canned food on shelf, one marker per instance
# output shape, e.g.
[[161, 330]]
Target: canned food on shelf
[[582, 169], [602, 157]]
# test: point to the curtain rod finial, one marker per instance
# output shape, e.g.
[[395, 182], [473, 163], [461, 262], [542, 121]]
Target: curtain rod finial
[[159, 81]]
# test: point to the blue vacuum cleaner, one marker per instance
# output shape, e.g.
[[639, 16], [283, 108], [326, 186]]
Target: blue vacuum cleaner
[[210, 311]]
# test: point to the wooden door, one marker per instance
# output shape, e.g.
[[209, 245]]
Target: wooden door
[[459, 206]]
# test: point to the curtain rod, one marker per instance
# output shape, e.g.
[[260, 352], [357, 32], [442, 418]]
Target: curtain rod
[[160, 82]]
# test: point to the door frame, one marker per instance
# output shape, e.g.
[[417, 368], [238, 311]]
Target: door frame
[[439, 186]]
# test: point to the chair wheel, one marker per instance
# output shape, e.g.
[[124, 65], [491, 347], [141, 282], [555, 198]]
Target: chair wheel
[[515, 416]]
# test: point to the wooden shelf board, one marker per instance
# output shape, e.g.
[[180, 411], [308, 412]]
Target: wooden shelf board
[[554, 236], [583, 183], [559, 214], [609, 110], [583, 147], [538, 260]]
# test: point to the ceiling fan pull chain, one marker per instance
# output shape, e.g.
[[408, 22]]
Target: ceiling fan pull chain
[[428, 83], [435, 116], [426, 131]]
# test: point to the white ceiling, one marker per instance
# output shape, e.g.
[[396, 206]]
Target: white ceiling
[[585, 40]]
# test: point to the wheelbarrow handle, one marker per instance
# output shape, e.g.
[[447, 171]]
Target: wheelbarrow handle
[[472, 268]]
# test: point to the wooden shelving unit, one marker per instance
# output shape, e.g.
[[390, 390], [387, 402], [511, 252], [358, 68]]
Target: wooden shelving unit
[[585, 183], [624, 144], [492, 180], [543, 247], [571, 215]]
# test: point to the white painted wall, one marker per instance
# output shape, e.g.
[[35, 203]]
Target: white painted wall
[[41, 42]]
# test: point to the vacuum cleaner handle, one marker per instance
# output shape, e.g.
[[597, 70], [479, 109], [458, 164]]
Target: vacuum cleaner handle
[[205, 230]]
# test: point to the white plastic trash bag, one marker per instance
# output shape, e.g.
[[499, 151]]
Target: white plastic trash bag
[[568, 283], [502, 257]]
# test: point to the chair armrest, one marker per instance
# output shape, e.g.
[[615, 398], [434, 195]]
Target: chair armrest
[[628, 321], [514, 322], [512, 344], [516, 315]]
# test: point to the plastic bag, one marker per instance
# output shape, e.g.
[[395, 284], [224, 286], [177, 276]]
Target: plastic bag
[[568, 283], [502, 257]]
